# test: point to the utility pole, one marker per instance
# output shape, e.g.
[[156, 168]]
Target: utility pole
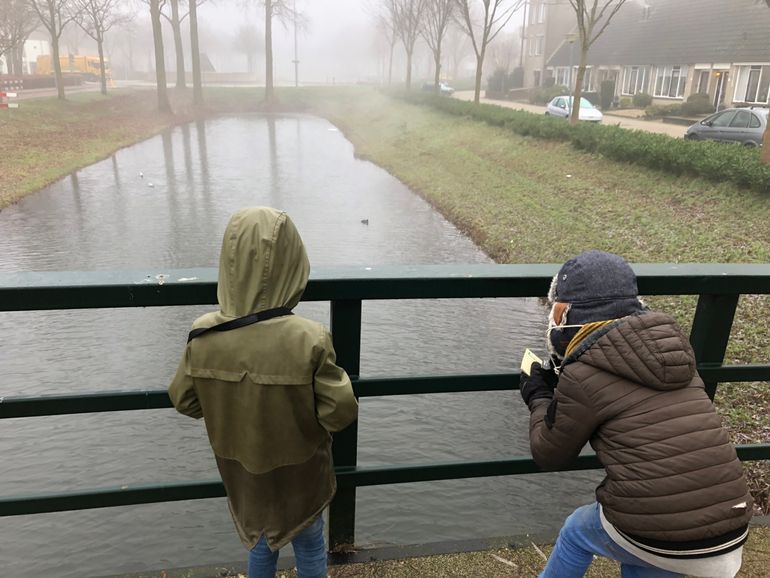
[[296, 61]]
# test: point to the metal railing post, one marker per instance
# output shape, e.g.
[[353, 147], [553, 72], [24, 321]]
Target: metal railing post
[[346, 335], [710, 332]]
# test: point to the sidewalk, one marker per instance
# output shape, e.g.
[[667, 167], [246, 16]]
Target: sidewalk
[[611, 118]]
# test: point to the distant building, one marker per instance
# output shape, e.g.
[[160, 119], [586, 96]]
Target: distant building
[[37, 44], [669, 49]]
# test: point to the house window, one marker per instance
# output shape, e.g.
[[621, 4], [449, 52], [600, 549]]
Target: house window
[[634, 80], [670, 81], [753, 84], [539, 44], [541, 13], [587, 78], [703, 81], [533, 13], [562, 76]]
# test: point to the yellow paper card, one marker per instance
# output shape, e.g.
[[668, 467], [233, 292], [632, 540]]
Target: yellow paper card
[[527, 361]]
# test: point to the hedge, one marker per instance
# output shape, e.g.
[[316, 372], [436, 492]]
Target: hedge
[[711, 160]]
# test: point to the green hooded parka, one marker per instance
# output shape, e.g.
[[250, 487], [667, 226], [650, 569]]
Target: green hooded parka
[[269, 392]]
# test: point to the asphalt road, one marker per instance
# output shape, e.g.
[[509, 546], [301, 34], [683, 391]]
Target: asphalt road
[[673, 130]]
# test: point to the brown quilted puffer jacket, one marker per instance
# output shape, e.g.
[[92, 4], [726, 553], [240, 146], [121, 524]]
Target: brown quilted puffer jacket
[[632, 391]]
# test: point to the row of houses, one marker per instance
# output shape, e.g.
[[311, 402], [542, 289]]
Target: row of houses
[[669, 49]]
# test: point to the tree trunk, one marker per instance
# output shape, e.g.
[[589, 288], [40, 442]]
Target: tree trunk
[[57, 67], [390, 63], [578, 90], [269, 91], [437, 75], [409, 69], [160, 65], [479, 68], [766, 146], [177, 28], [196, 55], [102, 73]]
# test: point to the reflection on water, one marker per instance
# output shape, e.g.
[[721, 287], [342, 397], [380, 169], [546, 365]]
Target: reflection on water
[[164, 204]]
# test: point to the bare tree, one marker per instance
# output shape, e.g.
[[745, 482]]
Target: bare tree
[[196, 55], [176, 27], [593, 17], [160, 62], [285, 12], [407, 17], [248, 40], [17, 21], [55, 15], [495, 15], [438, 15], [96, 18], [386, 26], [459, 47]]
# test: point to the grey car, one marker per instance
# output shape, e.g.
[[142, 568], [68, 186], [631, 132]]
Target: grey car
[[745, 126]]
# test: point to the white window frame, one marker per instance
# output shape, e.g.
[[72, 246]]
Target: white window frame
[[665, 85], [539, 44], [744, 82], [639, 83], [561, 74], [541, 13]]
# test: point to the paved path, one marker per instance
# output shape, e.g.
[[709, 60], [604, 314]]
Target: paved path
[[673, 130]]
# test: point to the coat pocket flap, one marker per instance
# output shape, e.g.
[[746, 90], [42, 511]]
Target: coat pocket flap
[[220, 374]]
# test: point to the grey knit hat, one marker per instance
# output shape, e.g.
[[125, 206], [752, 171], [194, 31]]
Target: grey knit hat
[[597, 286]]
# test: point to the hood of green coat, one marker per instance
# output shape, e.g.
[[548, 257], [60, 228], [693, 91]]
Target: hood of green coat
[[263, 263]]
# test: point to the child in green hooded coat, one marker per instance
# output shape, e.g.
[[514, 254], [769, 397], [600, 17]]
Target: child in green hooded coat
[[266, 383]]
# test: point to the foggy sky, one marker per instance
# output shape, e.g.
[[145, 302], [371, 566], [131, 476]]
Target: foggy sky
[[337, 44]]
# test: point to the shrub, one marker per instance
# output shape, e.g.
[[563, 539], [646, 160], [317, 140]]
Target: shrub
[[544, 94], [625, 102], [709, 160], [642, 100], [660, 110], [592, 97], [606, 94], [497, 83], [698, 103], [517, 77]]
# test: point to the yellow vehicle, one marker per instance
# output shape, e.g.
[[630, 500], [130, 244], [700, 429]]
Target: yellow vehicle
[[88, 66]]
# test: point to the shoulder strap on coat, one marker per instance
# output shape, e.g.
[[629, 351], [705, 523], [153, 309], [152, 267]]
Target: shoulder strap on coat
[[241, 322]]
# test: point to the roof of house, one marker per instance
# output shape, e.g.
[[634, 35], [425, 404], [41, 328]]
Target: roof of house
[[680, 32]]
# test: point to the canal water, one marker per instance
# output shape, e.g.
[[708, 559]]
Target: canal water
[[163, 204]]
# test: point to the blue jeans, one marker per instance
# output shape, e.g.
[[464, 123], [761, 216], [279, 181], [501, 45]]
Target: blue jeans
[[581, 537], [309, 553]]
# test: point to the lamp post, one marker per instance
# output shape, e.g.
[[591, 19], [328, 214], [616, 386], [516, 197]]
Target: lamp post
[[296, 60], [571, 37]]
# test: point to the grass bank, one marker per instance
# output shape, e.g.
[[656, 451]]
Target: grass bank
[[521, 199], [526, 200]]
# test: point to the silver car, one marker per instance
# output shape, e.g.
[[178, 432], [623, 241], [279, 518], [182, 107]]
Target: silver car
[[745, 126], [561, 105]]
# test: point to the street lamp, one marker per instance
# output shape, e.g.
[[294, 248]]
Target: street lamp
[[571, 37], [296, 60]]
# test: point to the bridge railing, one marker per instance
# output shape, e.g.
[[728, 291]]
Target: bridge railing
[[718, 288]]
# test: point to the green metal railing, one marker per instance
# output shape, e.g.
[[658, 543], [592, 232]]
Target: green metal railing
[[718, 287]]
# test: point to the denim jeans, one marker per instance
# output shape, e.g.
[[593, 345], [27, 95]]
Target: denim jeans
[[581, 537], [309, 553]]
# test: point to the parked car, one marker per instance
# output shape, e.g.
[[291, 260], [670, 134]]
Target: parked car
[[443, 88], [561, 106], [745, 126]]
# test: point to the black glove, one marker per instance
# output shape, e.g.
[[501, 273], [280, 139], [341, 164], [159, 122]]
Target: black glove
[[539, 384]]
